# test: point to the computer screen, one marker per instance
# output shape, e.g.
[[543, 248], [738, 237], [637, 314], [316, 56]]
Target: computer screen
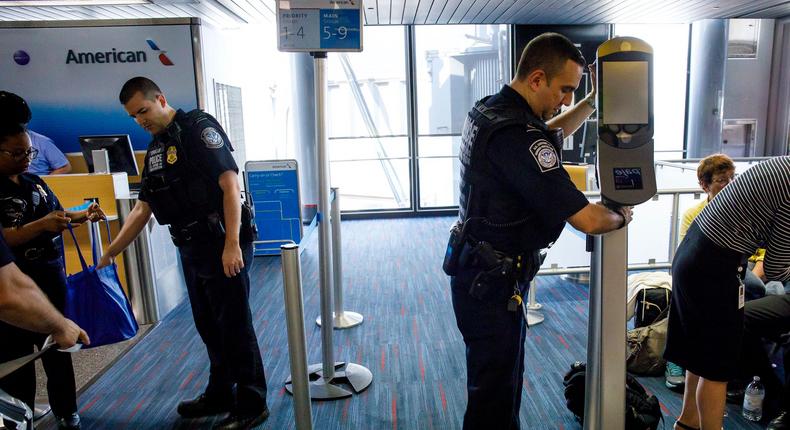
[[119, 152]]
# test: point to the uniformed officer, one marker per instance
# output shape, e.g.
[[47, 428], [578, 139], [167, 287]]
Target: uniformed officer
[[515, 199], [32, 220], [190, 182]]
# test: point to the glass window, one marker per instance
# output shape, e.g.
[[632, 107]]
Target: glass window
[[670, 57], [455, 65], [743, 37], [367, 123]]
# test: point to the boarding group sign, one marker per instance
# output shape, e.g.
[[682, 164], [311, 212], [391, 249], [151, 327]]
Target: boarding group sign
[[319, 25]]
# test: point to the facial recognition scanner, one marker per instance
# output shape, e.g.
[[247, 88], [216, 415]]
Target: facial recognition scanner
[[626, 177], [119, 152]]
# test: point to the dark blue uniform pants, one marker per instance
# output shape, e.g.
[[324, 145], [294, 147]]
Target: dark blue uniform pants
[[221, 309], [51, 278], [494, 340]]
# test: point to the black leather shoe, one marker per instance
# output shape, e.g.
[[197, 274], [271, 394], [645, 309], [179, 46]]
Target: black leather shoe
[[202, 406], [242, 421], [70, 422], [781, 422]]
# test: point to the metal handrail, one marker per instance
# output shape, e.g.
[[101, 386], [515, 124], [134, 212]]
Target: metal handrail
[[652, 265]]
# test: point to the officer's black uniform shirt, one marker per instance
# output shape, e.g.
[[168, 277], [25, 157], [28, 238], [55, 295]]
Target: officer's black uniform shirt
[[28, 201], [6, 256], [207, 146], [527, 164]]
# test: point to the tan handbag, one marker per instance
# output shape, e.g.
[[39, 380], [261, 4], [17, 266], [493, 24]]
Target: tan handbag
[[646, 347]]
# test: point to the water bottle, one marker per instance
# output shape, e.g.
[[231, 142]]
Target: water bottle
[[753, 400]]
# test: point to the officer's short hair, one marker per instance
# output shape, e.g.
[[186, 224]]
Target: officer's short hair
[[139, 84], [8, 129], [14, 109], [713, 164], [548, 52]]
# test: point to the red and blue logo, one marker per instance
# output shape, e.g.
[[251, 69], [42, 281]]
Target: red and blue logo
[[163, 58], [21, 57]]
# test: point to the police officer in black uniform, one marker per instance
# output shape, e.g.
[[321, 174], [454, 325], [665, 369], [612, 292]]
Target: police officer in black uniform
[[32, 220], [190, 181], [515, 199]]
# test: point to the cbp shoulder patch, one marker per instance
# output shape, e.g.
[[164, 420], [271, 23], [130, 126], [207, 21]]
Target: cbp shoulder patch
[[211, 138], [545, 155]]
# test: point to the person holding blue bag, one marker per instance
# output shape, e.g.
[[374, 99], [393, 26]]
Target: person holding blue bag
[[32, 220]]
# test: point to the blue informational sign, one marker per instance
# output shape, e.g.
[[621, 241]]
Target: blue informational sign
[[319, 25], [274, 189]]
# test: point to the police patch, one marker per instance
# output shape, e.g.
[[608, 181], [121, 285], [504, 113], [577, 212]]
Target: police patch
[[211, 138], [155, 159], [545, 155]]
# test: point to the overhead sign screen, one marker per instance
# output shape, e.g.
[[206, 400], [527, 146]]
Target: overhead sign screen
[[319, 25]]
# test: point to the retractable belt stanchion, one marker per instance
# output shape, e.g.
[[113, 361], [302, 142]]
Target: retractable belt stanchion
[[342, 319], [325, 378], [294, 322], [533, 316], [627, 178]]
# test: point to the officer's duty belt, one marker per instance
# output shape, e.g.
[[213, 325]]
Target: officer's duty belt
[[195, 230], [482, 255]]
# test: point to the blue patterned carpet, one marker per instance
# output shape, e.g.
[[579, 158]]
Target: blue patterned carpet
[[408, 340]]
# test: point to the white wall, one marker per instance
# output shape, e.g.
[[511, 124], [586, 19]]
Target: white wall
[[746, 85], [247, 57]]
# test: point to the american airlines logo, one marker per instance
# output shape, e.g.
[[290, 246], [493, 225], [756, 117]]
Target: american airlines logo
[[162, 54], [114, 56]]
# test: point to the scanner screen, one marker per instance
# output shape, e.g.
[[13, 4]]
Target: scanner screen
[[625, 92]]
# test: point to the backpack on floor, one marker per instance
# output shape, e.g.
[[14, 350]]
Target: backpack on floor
[[642, 411], [650, 303]]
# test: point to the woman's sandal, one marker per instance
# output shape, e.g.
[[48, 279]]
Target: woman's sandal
[[685, 426]]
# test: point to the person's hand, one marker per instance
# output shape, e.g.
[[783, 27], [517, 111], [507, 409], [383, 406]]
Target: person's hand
[[55, 221], [593, 68], [627, 213], [104, 261], [68, 334], [232, 262], [95, 213]]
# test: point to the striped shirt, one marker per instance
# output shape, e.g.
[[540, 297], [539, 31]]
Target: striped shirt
[[754, 212]]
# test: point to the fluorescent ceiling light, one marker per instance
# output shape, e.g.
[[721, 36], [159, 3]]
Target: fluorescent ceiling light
[[9, 3]]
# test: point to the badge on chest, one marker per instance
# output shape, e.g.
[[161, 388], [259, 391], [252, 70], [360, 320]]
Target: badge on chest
[[172, 155]]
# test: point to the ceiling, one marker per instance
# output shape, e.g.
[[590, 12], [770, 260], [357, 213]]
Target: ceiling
[[232, 13]]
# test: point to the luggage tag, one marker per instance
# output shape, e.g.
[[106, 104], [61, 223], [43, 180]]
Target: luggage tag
[[741, 296]]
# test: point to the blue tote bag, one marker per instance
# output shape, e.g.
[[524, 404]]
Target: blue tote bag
[[96, 301]]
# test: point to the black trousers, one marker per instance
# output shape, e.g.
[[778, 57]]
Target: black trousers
[[221, 309], [767, 319], [494, 339], [61, 389]]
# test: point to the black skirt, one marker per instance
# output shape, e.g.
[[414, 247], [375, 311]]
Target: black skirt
[[705, 318]]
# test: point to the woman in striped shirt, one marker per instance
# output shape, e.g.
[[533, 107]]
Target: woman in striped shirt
[[706, 314]]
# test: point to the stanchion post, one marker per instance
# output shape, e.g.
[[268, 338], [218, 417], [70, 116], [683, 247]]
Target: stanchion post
[[341, 319], [324, 226], [294, 317]]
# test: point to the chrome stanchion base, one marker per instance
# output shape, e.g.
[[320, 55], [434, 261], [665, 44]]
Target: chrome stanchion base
[[347, 319], [40, 411], [534, 317], [358, 377]]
